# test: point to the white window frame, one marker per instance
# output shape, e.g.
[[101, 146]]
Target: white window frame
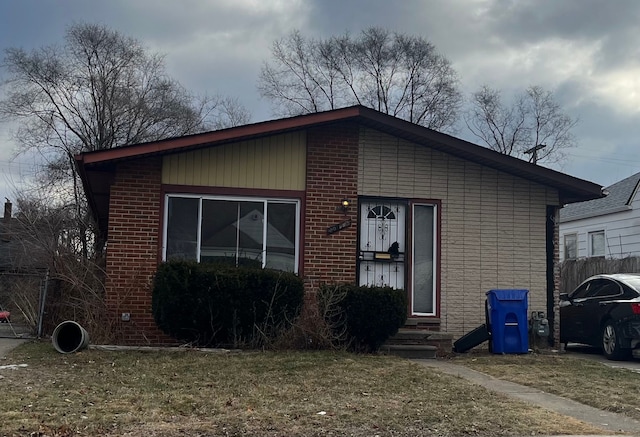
[[265, 201], [590, 236], [564, 245]]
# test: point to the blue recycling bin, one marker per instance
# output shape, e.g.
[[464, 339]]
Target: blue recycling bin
[[507, 313]]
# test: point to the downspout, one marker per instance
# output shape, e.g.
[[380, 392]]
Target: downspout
[[553, 273]]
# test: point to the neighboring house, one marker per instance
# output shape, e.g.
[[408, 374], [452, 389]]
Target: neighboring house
[[606, 227], [445, 219]]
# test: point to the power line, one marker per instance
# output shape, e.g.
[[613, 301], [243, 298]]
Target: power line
[[630, 162]]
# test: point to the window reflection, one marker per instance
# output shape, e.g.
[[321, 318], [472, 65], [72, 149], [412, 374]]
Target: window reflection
[[233, 232]]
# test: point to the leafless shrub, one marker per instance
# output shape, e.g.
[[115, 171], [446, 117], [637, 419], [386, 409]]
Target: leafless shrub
[[321, 324], [44, 239], [20, 294]]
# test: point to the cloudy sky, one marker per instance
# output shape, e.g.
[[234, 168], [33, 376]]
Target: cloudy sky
[[586, 51]]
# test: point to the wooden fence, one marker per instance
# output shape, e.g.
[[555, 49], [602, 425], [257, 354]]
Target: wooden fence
[[573, 272]]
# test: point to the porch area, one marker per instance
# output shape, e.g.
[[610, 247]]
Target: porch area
[[419, 338]]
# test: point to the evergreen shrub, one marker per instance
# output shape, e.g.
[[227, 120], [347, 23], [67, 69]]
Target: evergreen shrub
[[218, 305], [363, 317]]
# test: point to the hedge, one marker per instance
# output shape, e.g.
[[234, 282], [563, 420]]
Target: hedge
[[367, 315], [216, 305]]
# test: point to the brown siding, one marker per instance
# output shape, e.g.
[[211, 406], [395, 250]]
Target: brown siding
[[492, 229], [332, 163], [132, 250], [275, 163]]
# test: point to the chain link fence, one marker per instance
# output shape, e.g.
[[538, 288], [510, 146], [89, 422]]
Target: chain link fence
[[23, 295]]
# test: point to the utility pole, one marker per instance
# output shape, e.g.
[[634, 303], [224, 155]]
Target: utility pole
[[534, 152]]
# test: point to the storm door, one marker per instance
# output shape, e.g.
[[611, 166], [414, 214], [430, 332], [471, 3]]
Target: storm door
[[382, 243]]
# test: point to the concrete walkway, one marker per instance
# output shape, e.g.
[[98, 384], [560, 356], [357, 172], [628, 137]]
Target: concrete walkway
[[602, 419], [8, 344]]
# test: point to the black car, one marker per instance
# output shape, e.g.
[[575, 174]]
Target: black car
[[604, 311]]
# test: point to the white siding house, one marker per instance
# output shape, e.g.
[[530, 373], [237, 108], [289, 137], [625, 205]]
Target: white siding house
[[607, 227]]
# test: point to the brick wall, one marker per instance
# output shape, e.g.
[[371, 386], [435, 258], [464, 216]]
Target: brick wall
[[332, 174], [132, 250]]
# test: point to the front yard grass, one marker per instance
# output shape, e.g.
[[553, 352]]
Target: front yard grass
[[130, 393], [583, 380]]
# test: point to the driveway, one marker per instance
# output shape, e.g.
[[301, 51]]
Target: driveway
[[15, 330], [592, 353]]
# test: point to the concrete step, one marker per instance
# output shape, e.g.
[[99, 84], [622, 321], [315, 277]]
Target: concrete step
[[420, 343], [409, 336], [422, 351], [431, 323]]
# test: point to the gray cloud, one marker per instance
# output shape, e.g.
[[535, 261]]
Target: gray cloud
[[585, 50]]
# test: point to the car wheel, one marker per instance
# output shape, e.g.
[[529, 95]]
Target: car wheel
[[611, 343]]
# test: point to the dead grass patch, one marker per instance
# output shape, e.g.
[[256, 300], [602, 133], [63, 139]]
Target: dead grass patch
[[586, 381], [253, 394]]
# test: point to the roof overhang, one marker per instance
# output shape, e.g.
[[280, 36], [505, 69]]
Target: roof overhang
[[97, 168]]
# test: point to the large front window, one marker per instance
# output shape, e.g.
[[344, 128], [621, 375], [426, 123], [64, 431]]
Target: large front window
[[237, 231]]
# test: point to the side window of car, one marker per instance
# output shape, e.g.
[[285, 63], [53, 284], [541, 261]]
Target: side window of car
[[582, 291], [590, 289], [610, 289], [597, 288]]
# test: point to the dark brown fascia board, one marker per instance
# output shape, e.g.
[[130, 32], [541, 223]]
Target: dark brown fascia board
[[91, 195], [215, 137], [86, 187]]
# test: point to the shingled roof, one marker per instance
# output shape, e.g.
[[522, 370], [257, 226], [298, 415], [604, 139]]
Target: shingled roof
[[619, 199]]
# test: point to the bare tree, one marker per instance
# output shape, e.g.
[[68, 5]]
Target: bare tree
[[534, 124], [394, 73], [229, 112], [100, 90]]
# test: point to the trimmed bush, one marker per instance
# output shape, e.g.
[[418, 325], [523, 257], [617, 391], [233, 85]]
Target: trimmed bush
[[217, 305], [363, 317]]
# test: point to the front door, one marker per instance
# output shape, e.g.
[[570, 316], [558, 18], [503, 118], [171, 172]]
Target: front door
[[382, 253], [382, 243]]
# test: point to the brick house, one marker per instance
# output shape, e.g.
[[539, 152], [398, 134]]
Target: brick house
[[440, 217]]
